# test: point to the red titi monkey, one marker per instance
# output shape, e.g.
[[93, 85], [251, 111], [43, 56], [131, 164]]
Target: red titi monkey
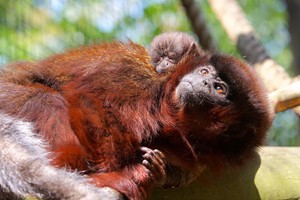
[[97, 106]]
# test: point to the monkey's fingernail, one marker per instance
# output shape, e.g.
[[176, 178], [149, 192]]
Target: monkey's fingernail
[[146, 163], [159, 153], [145, 149]]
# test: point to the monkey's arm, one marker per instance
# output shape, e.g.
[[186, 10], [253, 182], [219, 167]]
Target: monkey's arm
[[164, 175], [137, 180]]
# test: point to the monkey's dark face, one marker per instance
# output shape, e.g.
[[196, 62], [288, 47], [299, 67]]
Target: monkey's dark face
[[223, 108], [201, 87]]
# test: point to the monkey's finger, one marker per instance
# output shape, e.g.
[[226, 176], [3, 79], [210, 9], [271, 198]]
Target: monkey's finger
[[147, 164], [155, 175], [156, 153], [150, 155], [153, 162], [149, 167], [151, 158], [160, 154], [156, 158], [160, 157], [157, 167], [152, 171], [145, 149]]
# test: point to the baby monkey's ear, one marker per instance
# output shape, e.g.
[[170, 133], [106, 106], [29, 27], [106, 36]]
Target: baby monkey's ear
[[193, 49]]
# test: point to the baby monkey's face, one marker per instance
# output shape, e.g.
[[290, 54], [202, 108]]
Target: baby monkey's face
[[168, 48], [165, 60]]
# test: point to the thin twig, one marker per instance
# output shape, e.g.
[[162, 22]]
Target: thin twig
[[287, 97]]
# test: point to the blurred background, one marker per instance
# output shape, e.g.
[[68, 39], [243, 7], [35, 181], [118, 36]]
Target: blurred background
[[35, 29]]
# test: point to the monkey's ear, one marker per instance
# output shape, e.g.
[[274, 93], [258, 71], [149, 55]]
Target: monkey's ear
[[193, 49]]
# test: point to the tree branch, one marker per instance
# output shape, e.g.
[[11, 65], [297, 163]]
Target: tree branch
[[274, 173], [243, 35], [287, 97]]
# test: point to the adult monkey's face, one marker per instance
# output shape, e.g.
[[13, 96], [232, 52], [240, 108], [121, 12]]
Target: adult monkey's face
[[223, 106], [202, 86]]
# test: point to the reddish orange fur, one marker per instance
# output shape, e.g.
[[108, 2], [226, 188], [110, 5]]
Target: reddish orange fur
[[97, 105]]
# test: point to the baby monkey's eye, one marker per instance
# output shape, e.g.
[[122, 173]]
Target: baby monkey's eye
[[204, 71], [157, 60], [173, 55]]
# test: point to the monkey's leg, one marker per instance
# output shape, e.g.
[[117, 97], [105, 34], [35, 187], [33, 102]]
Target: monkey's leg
[[26, 171], [47, 110], [136, 181]]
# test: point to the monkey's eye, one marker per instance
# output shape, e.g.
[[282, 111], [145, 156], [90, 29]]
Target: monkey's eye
[[220, 89], [157, 60], [172, 55], [204, 71]]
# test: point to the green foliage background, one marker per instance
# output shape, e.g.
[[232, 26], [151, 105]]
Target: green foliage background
[[34, 29]]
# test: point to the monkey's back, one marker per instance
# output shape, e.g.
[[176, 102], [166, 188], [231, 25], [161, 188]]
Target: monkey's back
[[116, 92], [109, 93]]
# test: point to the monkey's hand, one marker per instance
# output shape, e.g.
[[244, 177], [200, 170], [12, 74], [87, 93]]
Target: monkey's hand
[[154, 161]]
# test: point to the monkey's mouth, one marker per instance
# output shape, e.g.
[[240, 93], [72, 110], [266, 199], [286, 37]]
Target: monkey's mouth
[[187, 85], [183, 90], [190, 96]]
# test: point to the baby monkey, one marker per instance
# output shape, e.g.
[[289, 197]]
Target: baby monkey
[[168, 48]]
